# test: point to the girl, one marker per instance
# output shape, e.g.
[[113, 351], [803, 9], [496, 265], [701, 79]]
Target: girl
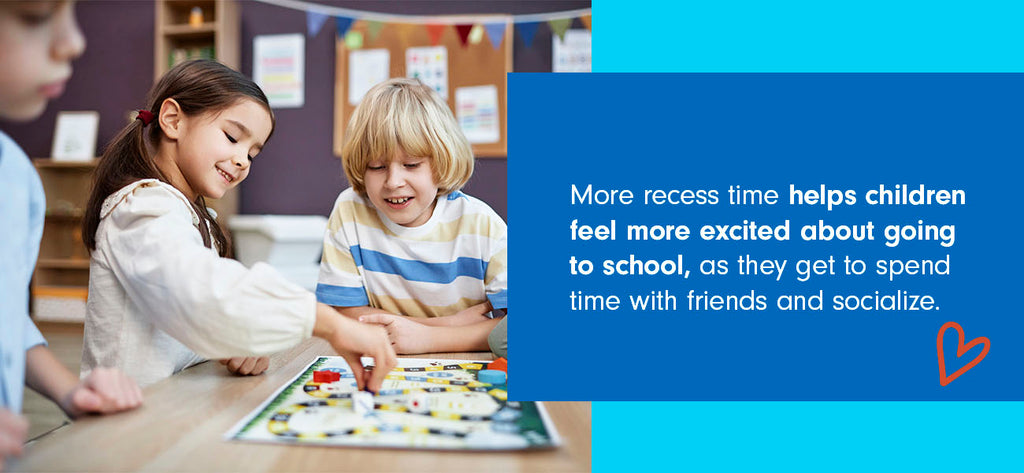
[[38, 41], [162, 294], [405, 248]]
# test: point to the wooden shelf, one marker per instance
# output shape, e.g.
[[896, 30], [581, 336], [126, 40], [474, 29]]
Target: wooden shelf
[[64, 217], [49, 163], [63, 263], [206, 29]]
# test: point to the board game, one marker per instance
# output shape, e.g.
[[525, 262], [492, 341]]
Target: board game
[[423, 404]]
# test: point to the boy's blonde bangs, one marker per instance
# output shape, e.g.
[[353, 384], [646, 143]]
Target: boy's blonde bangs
[[403, 115]]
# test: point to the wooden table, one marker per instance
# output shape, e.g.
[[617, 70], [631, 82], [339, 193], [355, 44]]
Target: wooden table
[[181, 424]]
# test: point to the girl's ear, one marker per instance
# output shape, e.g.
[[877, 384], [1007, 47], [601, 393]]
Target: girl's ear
[[170, 118]]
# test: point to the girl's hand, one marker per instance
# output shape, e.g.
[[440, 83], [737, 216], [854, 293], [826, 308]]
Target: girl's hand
[[247, 365], [103, 391], [407, 335], [13, 429], [352, 340]]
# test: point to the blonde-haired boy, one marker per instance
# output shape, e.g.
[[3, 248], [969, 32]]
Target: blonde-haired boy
[[404, 247]]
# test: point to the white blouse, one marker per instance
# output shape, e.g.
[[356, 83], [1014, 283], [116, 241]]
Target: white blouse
[[160, 301]]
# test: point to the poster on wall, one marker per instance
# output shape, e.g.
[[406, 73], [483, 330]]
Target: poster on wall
[[571, 54], [367, 67], [430, 66], [476, 108], [278, 66]]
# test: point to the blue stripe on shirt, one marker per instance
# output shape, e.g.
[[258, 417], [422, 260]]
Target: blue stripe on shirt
[[341, 296], [499, 300], [413, 270]]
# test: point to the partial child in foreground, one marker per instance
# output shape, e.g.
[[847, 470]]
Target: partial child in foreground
[[404, 247], [162, 294], [38, 41]]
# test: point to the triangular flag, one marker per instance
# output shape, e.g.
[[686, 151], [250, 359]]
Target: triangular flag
[[435, 32], [476, 35], [559, 26], [496, 32], [463, 31], [374, 27], [342, 24], [314, 21], [527, 30], [585, 19]]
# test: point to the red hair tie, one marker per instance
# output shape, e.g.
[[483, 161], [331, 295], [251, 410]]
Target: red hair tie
[[146, 116]]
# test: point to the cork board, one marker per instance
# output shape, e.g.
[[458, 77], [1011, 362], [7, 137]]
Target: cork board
[[468, 66]]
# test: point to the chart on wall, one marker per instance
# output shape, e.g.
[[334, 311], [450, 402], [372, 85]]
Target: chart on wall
[[430, 66]]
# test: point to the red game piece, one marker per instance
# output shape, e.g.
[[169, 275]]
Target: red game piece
[[326, 376], [499, 364]]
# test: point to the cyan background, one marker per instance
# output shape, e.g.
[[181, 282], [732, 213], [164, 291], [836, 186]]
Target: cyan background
[[745, 36]]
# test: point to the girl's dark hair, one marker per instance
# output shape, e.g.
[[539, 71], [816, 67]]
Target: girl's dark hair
[[200, 86]]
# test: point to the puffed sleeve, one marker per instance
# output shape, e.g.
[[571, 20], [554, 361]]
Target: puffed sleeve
[[215, 306], [340, 283]]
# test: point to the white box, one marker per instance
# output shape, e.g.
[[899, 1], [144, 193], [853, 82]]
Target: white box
[[280, 240]]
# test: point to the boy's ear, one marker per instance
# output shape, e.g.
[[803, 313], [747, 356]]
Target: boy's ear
[[170, 118]]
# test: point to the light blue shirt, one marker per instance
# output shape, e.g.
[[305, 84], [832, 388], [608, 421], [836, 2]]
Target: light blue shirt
[[22, 209]]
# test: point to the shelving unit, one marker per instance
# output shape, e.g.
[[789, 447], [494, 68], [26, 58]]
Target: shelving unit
[[61, 281], [216, 36]]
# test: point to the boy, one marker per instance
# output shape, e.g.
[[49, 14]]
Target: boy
[[404, 247]]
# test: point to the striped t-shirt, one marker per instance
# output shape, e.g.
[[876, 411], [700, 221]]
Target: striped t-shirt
[[455, 260]]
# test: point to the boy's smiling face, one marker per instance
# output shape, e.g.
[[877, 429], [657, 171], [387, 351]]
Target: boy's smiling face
[[38, 41], [403, 189]]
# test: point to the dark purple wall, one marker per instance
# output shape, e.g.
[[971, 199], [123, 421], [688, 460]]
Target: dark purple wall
[[297, 172]]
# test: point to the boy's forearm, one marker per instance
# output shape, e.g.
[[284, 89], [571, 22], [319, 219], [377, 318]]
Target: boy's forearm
[[45, 374], [355, 312], [461, 338], [467, 316]]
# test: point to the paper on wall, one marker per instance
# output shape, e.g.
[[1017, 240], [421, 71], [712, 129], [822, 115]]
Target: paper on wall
[[278, 67], [476, 108], [430, 66], [367, 67]]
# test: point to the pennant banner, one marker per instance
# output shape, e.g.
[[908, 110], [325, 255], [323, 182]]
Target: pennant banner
[[314, 21], [527, 30], [373, 28], [463, 31], [559, 26], [476, 34], [496, 32], [434, 32], [585, 19], [342, 24]]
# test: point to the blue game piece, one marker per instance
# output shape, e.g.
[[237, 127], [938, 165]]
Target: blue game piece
[[491, 376]]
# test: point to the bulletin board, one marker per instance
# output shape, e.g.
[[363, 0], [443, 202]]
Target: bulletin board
[[468, 66]]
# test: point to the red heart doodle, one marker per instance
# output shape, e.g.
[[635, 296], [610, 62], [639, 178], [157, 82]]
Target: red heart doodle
[[960, 350]]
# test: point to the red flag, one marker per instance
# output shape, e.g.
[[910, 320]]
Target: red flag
[[435, 32], [463, 31]]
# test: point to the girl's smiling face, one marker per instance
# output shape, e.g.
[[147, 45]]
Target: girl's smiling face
[[213, 151], [38, 41], [403, 189]]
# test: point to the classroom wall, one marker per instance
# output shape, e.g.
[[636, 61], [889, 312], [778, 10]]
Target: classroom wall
[[297, 172]]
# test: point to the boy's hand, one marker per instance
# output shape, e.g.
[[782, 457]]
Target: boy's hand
[[351, 340], [104, 391], [406, 335], [13, 429], [247, 365]]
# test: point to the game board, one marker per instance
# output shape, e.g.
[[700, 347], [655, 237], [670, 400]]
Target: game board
[[423, 404]]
